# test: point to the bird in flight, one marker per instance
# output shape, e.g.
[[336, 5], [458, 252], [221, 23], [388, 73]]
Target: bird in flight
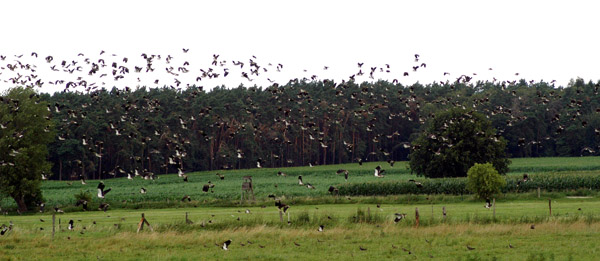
[[379, 172], [399, 216], [101, 191]]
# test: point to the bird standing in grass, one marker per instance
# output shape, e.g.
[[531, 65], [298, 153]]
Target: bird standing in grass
[[82, 202], [300, 181], [71, 224], [207, 187], [226, 244], [333, 190]]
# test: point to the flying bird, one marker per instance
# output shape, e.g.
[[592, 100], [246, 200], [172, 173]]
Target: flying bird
[[101, 191], [281, 206], [399, 216], [379, 172]]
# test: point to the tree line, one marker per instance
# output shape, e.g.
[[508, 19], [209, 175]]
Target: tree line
[[119, 132]]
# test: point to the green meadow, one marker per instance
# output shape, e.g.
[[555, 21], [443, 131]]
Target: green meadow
[[566, 223]]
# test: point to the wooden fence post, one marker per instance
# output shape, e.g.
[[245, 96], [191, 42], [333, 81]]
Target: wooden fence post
[[538, 192], [417, 216], [494, 208], [550, 206], [444, 213], [187, 221], [280, 216], [53, 222], [431, 213], [142, 222]]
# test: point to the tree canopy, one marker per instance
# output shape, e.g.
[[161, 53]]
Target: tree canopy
[[25, 131], [302, 122], [454, 141]]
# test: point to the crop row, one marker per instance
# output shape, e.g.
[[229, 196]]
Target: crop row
[[457, 186]]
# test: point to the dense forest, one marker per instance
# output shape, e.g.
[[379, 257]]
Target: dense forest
[[120, 132]]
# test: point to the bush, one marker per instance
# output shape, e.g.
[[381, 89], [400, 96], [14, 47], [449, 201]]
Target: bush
[[484, 180], [83, 195]]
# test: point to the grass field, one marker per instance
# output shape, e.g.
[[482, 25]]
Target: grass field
[[564, 235], [570, 233], [168, 190]]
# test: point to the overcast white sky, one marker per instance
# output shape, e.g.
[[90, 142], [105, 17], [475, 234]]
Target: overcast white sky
[[549, 40]]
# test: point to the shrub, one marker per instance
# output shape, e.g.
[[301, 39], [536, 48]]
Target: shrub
[[484, 180], [83, 195]]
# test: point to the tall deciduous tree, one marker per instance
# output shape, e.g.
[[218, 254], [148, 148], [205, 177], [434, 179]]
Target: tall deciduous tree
[[25, 132], [454, 141]]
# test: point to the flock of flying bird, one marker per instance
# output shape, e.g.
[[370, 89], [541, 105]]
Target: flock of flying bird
[[81, 71]]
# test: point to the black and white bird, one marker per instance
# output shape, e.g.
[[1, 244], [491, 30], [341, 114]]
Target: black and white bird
[[333, 190], [340, 171], [221, 176], [281, 206], [103, 207], [346, 176], [399, 216], [418, 184], [101, 191], [71, 224], [226, 244], [308, 185], [82, 202], [143, 190], [321, 228], [186, 197], [4, 230], [300, 181], [488, 203], [207, 187], [379, 172]]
